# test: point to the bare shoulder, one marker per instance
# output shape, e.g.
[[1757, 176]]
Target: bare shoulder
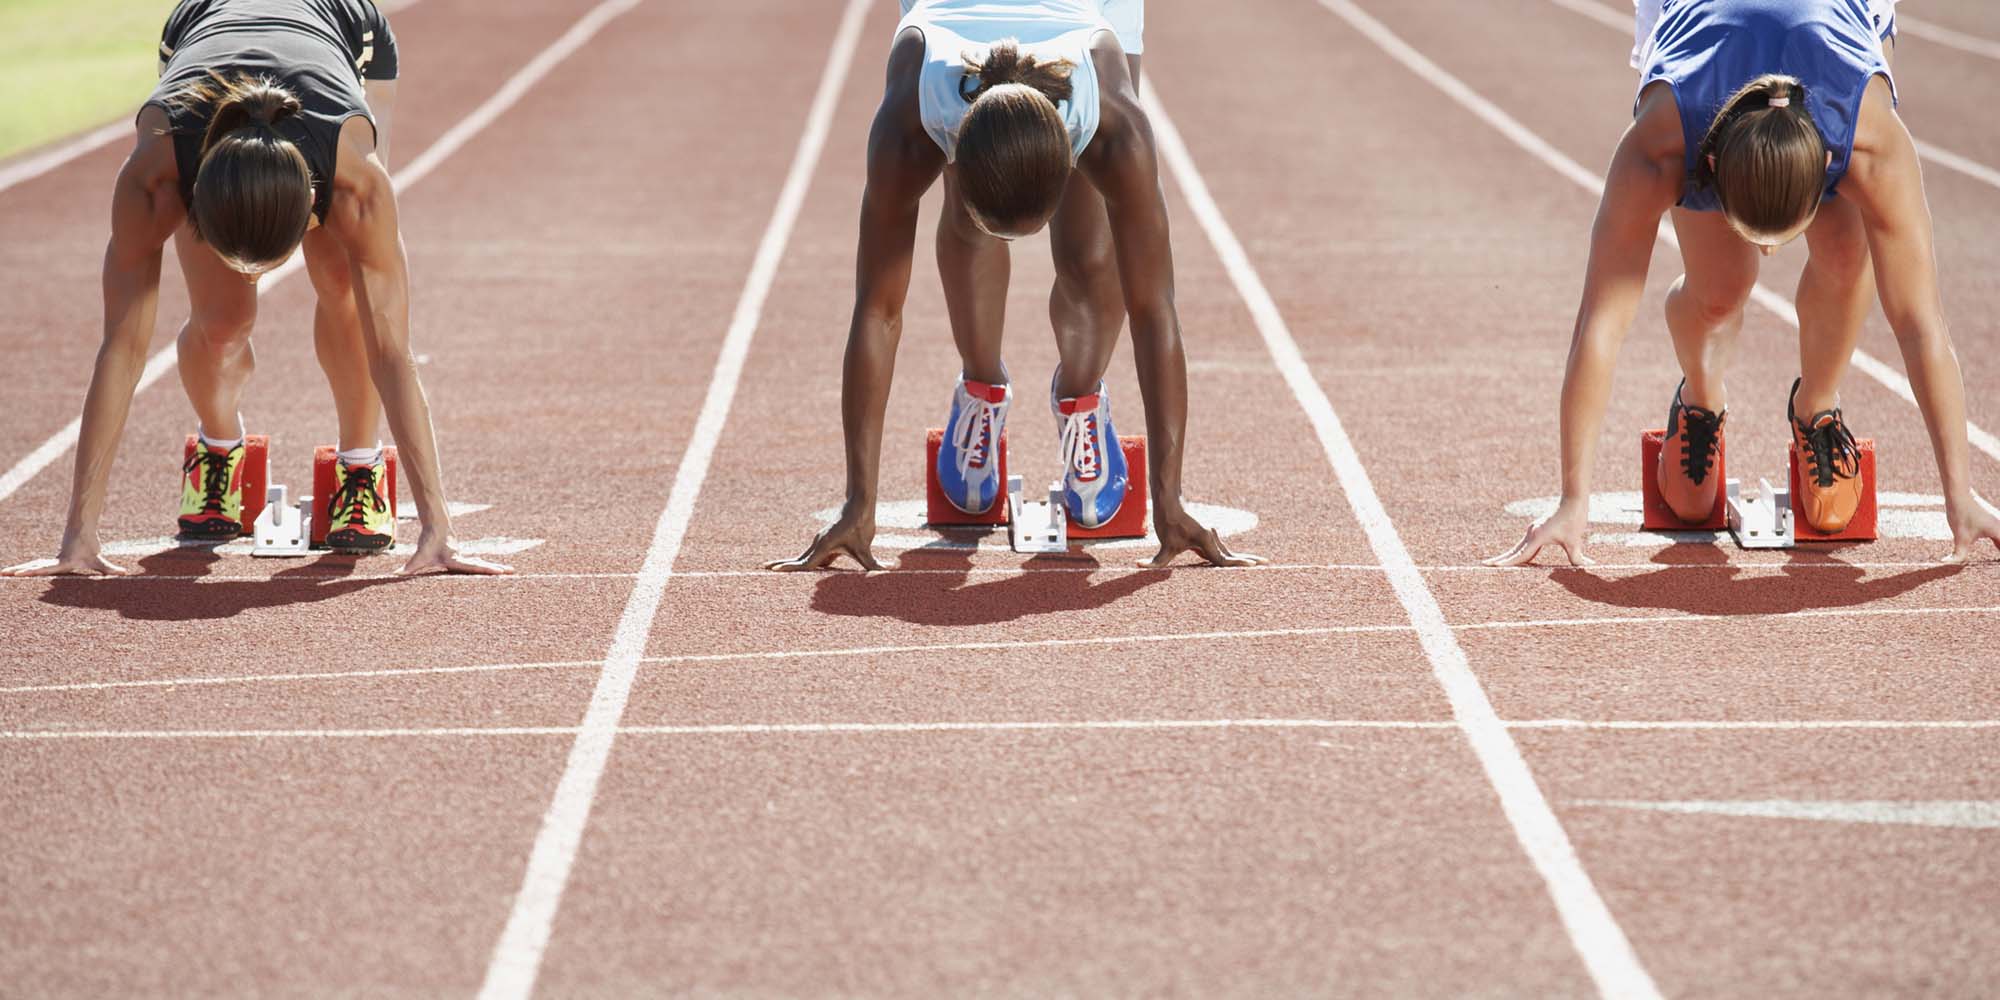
[[1122, 127], [362, 188], [1878, 130], [151, 162], [1656, 127], [897, 135]]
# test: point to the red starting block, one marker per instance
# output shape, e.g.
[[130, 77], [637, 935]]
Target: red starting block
[[1861, 527], [1130, 522], [252, 476], [1131, 519], [1659, 516], [325, 457], [938, 509]]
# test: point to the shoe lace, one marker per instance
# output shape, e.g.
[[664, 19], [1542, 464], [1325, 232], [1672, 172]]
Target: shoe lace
[[1830, 449], [214, 476], [1079, 443], [1702, 432], [355, 497], [974, 433]]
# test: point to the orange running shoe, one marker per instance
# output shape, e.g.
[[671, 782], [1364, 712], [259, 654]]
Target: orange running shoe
[[358, 517], [1829, 466], [1687, 460], [212, 493]]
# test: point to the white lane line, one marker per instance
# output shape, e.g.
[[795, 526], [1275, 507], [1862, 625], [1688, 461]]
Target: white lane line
[[1556, 160], [1754, 725], [1107, 571], [1968, 814], [1016, 726], [35, 165], [1612, 17], [1951, 38], [30, 167], [1002, 646], [1595, 933], [517, 957], [450, 142]]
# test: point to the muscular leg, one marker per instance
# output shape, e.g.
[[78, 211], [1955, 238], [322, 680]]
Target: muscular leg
[[1087, 303], [1705, 305], [214, 344], [1836, 290], [337, 340], [974, 267]]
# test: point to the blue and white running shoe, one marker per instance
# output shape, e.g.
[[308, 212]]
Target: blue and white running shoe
[[968, 463], [1094, 477]]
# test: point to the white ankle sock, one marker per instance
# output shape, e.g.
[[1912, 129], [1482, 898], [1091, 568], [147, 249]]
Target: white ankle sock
[[362, 456], [225, 445]]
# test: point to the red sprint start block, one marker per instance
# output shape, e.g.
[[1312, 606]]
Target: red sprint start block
[[1860, 528], [253, 476], [1659, 516], [324, 458], [938, 509], [1131, 519]]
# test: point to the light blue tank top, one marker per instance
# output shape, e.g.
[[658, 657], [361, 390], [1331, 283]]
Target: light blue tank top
[[1046, 29], [1707, 49]]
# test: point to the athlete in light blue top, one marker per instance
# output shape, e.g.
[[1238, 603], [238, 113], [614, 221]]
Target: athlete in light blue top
[[1758, 121], [1029, 110]]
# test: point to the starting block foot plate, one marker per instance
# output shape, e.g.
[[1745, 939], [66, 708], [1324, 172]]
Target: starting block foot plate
[[282, 530], [1033, 526], [1761, 522]]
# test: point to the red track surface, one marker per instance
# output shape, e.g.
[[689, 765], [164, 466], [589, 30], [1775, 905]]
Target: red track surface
[[791, 807]]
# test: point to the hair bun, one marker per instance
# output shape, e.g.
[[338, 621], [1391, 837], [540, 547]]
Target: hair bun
[[1005, 64]]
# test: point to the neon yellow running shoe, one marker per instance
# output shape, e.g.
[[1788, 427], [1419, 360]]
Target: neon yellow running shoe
[[212, 493], [358, 515]]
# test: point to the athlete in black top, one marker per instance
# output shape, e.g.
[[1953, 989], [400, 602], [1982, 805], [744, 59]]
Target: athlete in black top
[[321, 50], [269, 131]]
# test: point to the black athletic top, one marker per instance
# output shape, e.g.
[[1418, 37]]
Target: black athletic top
[[320, 50]]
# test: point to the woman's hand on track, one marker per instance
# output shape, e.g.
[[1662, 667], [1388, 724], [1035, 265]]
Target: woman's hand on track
[[436, 553], [1179, 532], [72, 562], [1970, 523], [1565, 529], [853, 536]]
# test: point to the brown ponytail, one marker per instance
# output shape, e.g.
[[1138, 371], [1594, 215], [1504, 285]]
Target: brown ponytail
[[253, 192], [1769, 169], [1013, 152]]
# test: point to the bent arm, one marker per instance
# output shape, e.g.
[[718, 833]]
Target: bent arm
[[1638, 189], [365, 222], [1886, 184], [902, 164], [1123, 164], [145, 208]]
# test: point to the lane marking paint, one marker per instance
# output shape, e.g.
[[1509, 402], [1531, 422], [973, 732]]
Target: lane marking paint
[[450, 142], [1615, 621], [1592, 929], [1007, 726], [1901, 515], [1970, 814], [517, 957], [1938, 33], [906, 523], [1520, 135], [1612, 18]]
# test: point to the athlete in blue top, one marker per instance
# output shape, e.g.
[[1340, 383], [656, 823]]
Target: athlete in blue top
[[1758, 121]]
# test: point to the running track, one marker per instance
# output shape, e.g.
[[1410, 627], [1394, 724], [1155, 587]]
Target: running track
[[643, 766]]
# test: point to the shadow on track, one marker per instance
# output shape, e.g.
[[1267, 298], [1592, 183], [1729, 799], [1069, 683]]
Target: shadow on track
[[1804, 585], [167, 591], [951, 599]]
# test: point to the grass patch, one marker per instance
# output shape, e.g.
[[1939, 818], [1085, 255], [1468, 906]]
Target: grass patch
[[70, 65]]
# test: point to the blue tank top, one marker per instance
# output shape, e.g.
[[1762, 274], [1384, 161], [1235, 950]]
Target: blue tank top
[[1707, 49]]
